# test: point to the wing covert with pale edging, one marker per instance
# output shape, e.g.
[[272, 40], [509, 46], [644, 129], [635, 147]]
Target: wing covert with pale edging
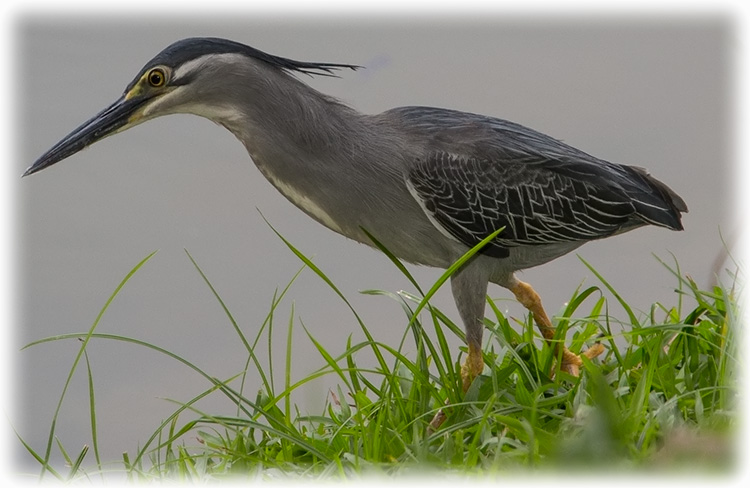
[[469, 198]]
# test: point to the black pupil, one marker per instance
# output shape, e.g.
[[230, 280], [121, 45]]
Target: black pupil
[[156, 78]]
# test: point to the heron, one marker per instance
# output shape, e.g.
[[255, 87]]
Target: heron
[[428, 183]]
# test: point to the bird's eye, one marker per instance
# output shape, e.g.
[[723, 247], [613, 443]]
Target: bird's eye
[[156, 77]]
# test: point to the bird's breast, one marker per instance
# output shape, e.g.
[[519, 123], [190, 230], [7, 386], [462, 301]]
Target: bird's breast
[[302, 200], [351, 199], [310, 207]]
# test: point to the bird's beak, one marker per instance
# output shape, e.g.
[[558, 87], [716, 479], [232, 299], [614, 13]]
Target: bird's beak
[[117, 117]]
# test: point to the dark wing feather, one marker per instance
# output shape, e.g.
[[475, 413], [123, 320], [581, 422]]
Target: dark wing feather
[[485, 173], [470, 198]]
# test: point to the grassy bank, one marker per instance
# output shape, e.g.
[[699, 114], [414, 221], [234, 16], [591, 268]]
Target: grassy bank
[[662, 397]]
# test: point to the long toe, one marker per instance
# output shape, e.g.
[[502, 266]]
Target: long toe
[[594, 351], [571, 363]]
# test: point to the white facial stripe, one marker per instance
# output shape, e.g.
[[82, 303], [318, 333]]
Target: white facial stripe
[[195, 64]]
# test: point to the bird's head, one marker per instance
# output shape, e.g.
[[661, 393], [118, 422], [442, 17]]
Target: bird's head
[[201, 76]]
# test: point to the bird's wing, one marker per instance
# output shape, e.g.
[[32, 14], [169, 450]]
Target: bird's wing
[[468, 198]]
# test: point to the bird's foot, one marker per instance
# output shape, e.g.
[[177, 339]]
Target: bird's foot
[[438, 420], [571, 363], [471, 368]]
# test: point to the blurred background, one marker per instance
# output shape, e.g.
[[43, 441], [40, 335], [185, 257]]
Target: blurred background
[[653, 92]]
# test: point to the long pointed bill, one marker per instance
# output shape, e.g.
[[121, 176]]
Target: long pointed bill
[[107, 122]]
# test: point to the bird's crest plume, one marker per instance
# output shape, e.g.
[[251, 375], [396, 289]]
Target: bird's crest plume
[[187, 49]]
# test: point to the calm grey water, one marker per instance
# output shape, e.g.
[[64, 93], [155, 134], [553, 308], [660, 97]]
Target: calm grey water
[[653, 93]]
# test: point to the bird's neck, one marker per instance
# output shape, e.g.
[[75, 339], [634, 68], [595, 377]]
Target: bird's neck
[[287, 118], [308, 145]]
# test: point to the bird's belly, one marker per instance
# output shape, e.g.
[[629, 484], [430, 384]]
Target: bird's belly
[[523, 257], [421, 243], [395, 219]]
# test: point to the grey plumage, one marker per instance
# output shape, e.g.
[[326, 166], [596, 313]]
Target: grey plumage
[[426, 182], [541, 194]]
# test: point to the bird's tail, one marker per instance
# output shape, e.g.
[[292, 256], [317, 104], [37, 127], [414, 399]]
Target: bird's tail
[[665, 211]]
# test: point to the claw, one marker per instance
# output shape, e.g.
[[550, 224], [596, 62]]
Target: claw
[[437, 421]]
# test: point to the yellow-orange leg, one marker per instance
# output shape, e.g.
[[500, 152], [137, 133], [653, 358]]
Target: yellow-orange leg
[[471, 368], [570, 362], [474, 363]]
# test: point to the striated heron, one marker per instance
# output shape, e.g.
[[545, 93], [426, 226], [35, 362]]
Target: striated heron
[[428, 183]]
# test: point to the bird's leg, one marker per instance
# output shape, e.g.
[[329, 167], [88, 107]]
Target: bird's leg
[[472, 367], [469, 286], [529, 298]]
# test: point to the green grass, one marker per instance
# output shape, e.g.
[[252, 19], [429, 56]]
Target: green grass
[[663, 396]]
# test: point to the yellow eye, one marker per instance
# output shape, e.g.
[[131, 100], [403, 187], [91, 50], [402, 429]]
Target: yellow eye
[[156, 77]]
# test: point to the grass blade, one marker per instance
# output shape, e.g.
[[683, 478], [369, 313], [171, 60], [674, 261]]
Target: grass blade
[[77, 359]]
